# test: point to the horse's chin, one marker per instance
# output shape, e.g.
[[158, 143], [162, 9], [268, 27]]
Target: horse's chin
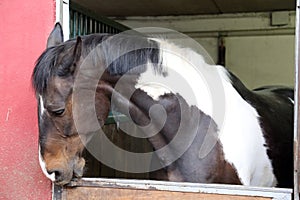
[[65, 179], [62, 183], [79, 168], [76, 172]]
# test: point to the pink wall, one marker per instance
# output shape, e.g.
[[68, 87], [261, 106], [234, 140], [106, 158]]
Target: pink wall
[[25, 26]]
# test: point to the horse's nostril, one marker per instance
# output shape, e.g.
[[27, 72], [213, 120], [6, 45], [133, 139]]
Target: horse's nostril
[[58, 173]]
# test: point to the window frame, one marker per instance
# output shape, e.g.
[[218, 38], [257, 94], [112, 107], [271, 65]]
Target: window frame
[[63, 16]]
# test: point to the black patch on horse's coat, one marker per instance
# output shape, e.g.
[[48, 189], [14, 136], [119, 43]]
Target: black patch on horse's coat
[[281, 90], [211, 168], [122, 54], [274, 106]]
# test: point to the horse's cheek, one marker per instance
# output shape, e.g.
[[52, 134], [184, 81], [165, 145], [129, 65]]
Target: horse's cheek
[[102, 104]]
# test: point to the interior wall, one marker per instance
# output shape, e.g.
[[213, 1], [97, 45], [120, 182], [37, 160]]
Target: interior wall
[[256, 60], [258, 52], [210, 44], [262, 60]]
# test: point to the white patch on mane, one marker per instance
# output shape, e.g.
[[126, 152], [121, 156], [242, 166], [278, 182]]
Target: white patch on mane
[[43, 167], [240, 133]]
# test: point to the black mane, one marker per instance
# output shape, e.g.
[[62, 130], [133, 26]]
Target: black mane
[[133, 52], [46, 66], [122, 53]]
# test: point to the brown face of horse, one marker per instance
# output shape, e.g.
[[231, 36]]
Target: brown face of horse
[[60, 144]]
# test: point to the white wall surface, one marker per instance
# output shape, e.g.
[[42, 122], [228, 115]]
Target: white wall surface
[[210, 44], [261, 60]]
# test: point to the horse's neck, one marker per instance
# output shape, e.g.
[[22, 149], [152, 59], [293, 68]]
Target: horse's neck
[[185, 73], [188, 139], [209, 88]]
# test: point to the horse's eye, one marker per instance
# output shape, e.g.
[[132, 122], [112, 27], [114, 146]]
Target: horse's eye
[[58, 112]]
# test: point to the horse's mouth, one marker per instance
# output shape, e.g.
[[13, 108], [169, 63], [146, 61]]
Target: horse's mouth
[[64, 180], [68, 175]]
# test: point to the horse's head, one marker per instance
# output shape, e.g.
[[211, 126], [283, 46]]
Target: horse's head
[[53, 79], [75, 77]]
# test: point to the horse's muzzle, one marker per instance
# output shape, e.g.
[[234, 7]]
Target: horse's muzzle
[[64, 175]]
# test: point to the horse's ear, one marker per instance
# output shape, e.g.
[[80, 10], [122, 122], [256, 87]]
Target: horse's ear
[[77, 50], [56, 36], [76, 54]]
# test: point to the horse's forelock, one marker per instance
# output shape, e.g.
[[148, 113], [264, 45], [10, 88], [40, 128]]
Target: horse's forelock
[[43, 70], [46, 67]]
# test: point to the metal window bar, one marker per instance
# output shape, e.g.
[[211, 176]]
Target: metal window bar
[[297, 107], [82, 23]]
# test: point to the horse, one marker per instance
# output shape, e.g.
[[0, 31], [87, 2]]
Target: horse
[[206, 128]]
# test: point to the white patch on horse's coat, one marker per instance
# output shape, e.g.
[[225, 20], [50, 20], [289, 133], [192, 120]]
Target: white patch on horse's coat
[[42, 163], [243, 141], [154, 89], [43, 167], [182, 77], [42, 108], [240, 133]]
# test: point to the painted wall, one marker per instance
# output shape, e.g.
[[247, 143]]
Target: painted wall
[[25, 26], [262, 60], [257, 60], [256, 51]]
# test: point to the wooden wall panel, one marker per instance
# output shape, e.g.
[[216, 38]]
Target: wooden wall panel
[[128, 194]]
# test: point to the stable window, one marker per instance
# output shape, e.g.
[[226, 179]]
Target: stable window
[[103, 181]]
